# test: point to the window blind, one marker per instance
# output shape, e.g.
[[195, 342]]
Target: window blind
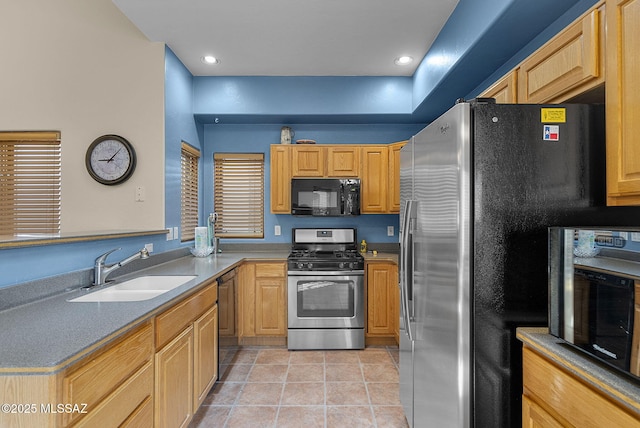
[[30, 182], [188, 191], [239, 195]]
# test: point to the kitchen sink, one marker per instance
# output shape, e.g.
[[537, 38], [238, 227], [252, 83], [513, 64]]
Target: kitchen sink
[[136, 289]]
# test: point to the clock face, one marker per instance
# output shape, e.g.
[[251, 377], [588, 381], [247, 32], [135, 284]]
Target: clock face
[[110, 159]]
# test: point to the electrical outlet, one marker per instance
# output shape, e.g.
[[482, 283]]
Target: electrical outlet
[[277, 230], [390, 231], [635, 236], [175, 233], [149, 247], [169, 234], [624, 235]]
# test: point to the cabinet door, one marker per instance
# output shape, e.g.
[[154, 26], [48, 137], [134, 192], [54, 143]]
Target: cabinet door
[[382, 285], [308, 161], [534, 416], [568, 64], [393, 202], [227, 305], [280, 179], [174, 382], [622, 107], [504, 90], [343, 161], [270, 307], [375, 164], [205, 363]]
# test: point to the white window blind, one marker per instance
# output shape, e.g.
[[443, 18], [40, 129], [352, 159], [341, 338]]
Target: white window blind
[[30, 183], [239, 195], [189, 191]]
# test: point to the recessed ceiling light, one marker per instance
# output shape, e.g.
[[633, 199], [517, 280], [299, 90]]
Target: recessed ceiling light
[[403, 60], [210, 59]]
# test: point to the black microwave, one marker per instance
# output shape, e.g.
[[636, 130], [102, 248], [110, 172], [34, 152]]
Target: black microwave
[[593, 277], [325, 197]]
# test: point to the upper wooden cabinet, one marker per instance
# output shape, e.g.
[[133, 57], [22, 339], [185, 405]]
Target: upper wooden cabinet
[[569, 64], [505, 90], [393, 200], [343, 161], [308, 161], [622, 106], [280, 179], [377, 166], [373, 185]]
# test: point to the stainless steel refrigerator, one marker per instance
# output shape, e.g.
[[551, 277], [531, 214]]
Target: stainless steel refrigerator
[[479, 187]]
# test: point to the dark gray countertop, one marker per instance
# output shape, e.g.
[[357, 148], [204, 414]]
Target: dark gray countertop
[[620, 388], [47, 335]]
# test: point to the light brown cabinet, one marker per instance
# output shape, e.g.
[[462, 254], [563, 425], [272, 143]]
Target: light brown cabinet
[[377, 166], [280, 179], [553, 396], [505, 90], [262, 301], [174, 381], [374, 190], [382, 303], [186, 357], [393, 177], [569, 64], [112, 383], [343, 161], [622, 107], [308, 161]]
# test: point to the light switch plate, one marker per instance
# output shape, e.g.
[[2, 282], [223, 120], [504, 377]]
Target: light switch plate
[[170, 234], [175, 233]]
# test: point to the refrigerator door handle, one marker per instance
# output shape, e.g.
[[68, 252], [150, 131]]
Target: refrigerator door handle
[[406, 266]]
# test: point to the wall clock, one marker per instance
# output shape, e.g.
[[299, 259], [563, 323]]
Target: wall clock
[[110, 159]]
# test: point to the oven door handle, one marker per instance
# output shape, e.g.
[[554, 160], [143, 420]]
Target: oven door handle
[[325, 273]]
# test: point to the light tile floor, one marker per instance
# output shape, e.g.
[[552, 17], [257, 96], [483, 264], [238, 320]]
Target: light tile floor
[[274, 387]]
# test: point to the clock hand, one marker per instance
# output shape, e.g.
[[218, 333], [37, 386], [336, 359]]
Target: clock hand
[[114, 155]]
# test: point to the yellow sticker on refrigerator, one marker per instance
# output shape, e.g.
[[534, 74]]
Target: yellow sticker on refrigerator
[[553, 115]]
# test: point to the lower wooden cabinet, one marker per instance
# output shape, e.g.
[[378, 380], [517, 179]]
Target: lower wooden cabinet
[[382, 303], [174, 382], [186, 357], [554, 397], [262, 302]]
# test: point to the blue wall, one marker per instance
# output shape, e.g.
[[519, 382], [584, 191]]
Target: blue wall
[[480, 42]]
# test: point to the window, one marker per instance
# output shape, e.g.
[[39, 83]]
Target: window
[[189, 191], [238, 183], [30, 183]]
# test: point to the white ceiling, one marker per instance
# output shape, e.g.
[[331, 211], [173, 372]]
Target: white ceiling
[[293, 37]]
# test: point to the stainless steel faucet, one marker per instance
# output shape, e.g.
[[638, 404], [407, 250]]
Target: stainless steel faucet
[[101, 270]]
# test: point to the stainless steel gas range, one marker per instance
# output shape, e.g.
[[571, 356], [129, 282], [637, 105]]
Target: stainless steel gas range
[[325, 290]]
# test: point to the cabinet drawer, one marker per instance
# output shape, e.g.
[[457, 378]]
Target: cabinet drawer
[[568, 399], [125, 404], [103, 373], [270, 270], [176, 319]]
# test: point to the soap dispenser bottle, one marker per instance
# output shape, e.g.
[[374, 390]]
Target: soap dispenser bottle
[[363, 246]]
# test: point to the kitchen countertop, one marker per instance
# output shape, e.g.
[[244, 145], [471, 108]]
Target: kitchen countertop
[[49, 334], [622, 389]]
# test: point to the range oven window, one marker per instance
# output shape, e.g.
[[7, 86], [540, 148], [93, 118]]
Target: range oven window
[[322, 298]]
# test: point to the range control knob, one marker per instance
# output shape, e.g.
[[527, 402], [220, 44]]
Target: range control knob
[[309, 265], [341, 265], [300, 265]]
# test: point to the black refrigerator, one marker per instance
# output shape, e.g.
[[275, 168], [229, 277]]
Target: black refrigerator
[[479, 188]]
